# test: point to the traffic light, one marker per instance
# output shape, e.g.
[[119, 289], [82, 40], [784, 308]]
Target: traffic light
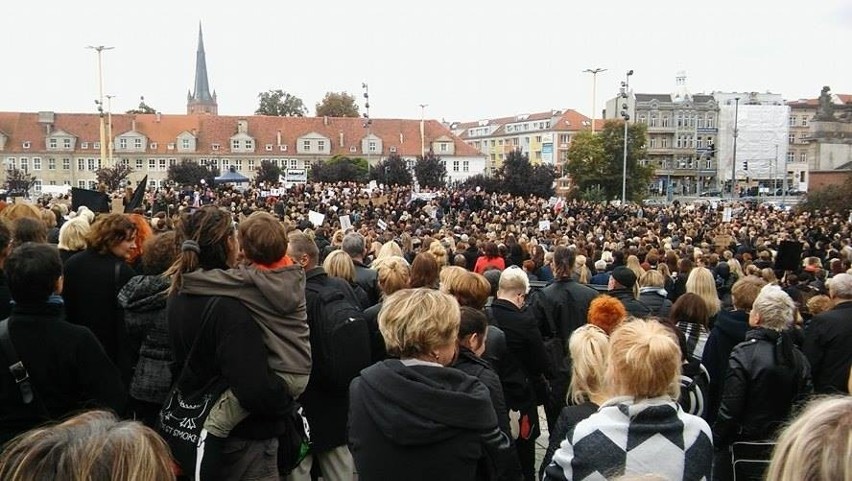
[[745, 165]]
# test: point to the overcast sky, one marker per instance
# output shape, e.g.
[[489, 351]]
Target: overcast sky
[[468, 60]]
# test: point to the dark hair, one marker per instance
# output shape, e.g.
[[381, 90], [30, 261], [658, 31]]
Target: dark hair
[[158, 253], [210, 228], [108, 230], [563, 262], [473, 321], [32, 270], [425, 271], [28, 229], [5, 235], [490, 250], [263, 239], [690, 307]]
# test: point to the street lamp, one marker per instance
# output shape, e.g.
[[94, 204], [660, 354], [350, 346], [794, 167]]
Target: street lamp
[[100, 49], [594, 72], [423, 129], [368, 122], [625, 114], [736, 133], [110, 144]]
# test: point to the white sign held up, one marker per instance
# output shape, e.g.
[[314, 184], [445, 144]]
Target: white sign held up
[[316, 218]]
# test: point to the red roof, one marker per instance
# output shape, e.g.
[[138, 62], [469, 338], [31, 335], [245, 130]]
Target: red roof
[[561, 120], [403, 134]]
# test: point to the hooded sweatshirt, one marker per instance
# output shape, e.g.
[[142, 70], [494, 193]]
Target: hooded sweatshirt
[[422, 422], [276, 299]]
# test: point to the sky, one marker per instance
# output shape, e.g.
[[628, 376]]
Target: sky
[[468, 60]]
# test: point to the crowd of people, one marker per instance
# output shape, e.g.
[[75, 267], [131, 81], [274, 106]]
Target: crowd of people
[[371, 332]]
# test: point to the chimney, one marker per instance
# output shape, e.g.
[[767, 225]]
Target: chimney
[[278, 137], [194, 132], [158, 116], [401, 139], [341, 138], [47, 118], [133, 124], [325, 120]]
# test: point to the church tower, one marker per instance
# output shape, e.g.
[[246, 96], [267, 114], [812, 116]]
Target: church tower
[[200, 101]]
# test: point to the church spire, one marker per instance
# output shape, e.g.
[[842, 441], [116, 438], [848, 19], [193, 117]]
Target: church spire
[[201, 101]]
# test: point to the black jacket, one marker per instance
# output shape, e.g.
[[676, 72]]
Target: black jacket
[[68, 369], [728, 331], [568, 419], [231, 346], [525, 358], [90, 292], [423, 422], [5, 297], [767, 375], [368, 279], [471, 254], [655, 299], [828, 347], [563, 304], [635, 307]]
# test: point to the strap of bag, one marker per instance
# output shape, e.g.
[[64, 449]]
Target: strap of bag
[[205, 316], [18, 370]]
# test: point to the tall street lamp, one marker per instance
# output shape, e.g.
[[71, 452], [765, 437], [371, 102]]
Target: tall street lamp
[[625, 114], [734, 160], [110, 144], [368, 122], [423, 129], [100, 49], [594, 72]]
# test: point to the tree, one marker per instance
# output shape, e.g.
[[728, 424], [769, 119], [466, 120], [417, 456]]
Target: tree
[[267, 172], [484, 182], [517, 176], [113, 177], [143, 108], [340, 169], [430, 171], [19, 182], [279, 103], [189, 172], [597, 159], [391, 171], [833, 198], [337, 104]]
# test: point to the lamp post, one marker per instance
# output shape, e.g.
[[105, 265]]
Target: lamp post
[[100, 49], [110, 144], [594, 72], [625, 114], [368, 122], [736, 133], [423, 129]]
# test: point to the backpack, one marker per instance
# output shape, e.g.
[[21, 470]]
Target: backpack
[[340, 337], [694, 389]]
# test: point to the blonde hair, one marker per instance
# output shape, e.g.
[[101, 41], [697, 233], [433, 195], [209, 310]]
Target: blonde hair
[[393, 274], [17, 211], [745, 291], [514, 279], [816, 446], [389, 249], [644, 361], [819, 303], [633, 264], [589, 348], [448, 275], [73, 234], [736, 268], [414, 322], [469, 288], [439, 252], [339, 264], [93, 446], [652, 278], [768, 275], [702, 282], [584, 275]]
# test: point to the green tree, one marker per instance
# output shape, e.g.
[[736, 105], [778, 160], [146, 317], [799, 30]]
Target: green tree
[[143, 108], [340, 169], [337, 104], [517, 176], [189, 172], [833, 198], [597, 160], [267, 172], [391, 171], [113, 177], [279, 103], [484, 182], [19, 182], [430, 171]]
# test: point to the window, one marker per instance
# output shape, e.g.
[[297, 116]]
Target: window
[[215, 146], [372, 146], [137, 143], [791, 139], [81, 164], [36, 163], [51, 163], [185, 144], [172, 162], [791, 156], [268, 147], [249, 144], [251, 164], [226, 164], [306, 145], [153, 145], [466, 166], [125, 162], [170, 146], [235, 145], [51, 144], [652, 143], [538, 139], [152, 164], [444, 146], [666, 121], [321, 145], [643, 119], [664, 143], [711, 122], [804, 120], [708, 165], [564, 138], [140, 164], [66, 163], [96, 145], [162, 163], [294, 163], [455, 166], [537, 155], [66, 143], [792, 121], [25, 163], [81, 184], [352, 149], [803, 157], [283, 148], [238, 163], [653, 120], [84, 145], [27, 144], [699, 144], [91, 164], [802, 138]]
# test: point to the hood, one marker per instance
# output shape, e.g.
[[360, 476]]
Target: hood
[[417, 405], [733, 324], [283, 287], [144, 293], [653, 290]]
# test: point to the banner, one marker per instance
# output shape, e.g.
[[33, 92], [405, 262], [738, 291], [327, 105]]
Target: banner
[[726, 214], [382, 224], [316, 218], [544, 225]]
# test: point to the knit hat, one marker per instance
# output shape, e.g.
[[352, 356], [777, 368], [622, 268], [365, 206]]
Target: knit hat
[[624, 276]]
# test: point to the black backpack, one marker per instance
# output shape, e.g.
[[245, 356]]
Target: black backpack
[[340, 337]]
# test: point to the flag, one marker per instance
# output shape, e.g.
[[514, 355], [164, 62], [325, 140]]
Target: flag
[[138, 194], [96, 201]]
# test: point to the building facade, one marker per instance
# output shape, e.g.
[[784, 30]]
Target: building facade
[[544, 137], [821, 139]]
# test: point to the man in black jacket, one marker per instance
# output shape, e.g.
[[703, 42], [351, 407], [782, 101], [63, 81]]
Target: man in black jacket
[[368, 279], [828, 340], [621, 286], [68, 369], [560, 308], [326, 408]]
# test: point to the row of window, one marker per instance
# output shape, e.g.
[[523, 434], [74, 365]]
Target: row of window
[[545, 124], [681, 119], [803, 157], [465, 165], [794, 121]]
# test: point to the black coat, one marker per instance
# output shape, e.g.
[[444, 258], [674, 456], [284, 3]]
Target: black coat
[[728, 331], [761, 387], [368, 279], [635, 307], [231, 346], [90, 291], [5, 297], [552, 307], [68, 369], [828, 347], [568, 419], [656, 301], [423, 422]]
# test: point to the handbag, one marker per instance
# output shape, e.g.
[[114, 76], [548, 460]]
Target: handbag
[[185, 411]]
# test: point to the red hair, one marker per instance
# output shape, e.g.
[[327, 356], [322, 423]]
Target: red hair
[[143, 233], [607, 313]]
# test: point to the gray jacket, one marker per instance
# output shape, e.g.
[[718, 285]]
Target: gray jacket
[[656, 300], [276, 300]]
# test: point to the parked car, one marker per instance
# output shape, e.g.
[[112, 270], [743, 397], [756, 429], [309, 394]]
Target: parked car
[[711, 193]]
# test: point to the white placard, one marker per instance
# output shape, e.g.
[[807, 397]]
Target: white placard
[[345, 222], [727, 214], [316, 218], [382, 224], [373, 185], [544, 225]]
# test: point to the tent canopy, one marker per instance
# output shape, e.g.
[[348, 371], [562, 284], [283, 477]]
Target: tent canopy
[[231, 177]]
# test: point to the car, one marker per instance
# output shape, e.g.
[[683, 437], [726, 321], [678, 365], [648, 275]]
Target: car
[[711, 193]]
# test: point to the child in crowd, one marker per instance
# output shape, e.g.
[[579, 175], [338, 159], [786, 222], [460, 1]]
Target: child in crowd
[[272, 288]]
